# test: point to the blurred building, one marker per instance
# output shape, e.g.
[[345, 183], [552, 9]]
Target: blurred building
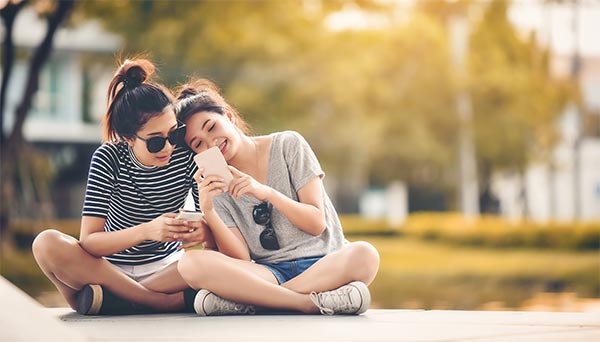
[[64, 119], [567, 186]]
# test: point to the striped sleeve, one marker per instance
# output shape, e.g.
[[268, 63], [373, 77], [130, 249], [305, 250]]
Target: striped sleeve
[[101, 180]]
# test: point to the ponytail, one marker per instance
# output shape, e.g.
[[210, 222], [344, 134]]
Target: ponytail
[[133, 100]]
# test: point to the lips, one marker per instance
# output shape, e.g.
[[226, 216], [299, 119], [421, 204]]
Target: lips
[[223, 146], [164, 158]]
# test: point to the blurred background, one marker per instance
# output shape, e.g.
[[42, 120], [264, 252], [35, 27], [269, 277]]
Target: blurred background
[[461, 138]]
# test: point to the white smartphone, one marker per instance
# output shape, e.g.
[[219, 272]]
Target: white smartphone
[[190, 216], [214, 165]]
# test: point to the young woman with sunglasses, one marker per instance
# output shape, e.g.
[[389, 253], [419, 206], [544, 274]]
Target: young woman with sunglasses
[[130, 239], [280, 242]]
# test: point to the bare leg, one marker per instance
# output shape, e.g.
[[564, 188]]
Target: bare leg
[[167, 280], [240, 281], [69, 267], [357, 261]]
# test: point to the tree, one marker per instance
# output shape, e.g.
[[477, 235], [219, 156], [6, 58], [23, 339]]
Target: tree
[[516, 99], [371, 102], [14, 150]]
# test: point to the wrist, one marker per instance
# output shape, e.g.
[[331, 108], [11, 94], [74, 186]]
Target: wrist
[[140, 232], [210, 214], [270, 193]]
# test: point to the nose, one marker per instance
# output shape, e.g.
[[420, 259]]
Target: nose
[[168, 145]]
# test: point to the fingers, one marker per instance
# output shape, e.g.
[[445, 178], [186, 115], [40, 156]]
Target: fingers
[[241, 189], [235, 172], [191, 233], [183, 228], [211, 183], [198, 175], [239, 183]]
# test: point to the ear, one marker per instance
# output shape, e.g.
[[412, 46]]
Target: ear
[[231, 117], [129, 141]]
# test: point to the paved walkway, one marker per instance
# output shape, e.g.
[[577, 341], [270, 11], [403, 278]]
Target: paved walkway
[[374, 325], [23, 319]]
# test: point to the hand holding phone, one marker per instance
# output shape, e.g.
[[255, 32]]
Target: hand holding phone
[[190, 216], [214, 164]]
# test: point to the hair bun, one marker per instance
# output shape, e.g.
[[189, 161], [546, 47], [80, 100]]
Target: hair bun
[[134, 77], [135, 72]]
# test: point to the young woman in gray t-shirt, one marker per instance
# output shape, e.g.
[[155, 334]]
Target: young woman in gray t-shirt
[[280, 243]]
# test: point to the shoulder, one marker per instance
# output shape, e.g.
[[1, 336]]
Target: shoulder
[[287, 135], [110, 153], [289, 139]]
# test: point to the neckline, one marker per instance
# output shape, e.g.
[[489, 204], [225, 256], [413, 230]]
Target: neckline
[[137, 163]]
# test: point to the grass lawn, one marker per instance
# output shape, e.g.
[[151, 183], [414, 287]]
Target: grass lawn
[[434, 275]]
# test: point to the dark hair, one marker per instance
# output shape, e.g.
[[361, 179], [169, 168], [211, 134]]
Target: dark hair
[[133, 100], [202, 95]]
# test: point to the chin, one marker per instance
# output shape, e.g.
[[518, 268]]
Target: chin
[[161, 163]]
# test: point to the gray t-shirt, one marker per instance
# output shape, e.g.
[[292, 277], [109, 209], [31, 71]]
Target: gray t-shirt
[[292, 164]]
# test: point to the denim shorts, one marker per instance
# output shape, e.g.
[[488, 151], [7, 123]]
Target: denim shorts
[[287, 270]]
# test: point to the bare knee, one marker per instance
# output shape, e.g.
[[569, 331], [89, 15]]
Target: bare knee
[[363, 261], [194, 266], [53, 246]]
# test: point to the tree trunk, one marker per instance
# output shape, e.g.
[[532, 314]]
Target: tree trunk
[[8, 14], [13, 144]]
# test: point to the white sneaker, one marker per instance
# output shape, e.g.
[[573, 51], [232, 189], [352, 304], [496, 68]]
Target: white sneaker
[[351, 299], [207, 303]]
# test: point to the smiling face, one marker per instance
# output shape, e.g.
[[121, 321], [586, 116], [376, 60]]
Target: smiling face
[[158, 126], [208, 129]]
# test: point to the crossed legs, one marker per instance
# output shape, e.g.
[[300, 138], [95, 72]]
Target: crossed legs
[[250, 283], [70, 267]]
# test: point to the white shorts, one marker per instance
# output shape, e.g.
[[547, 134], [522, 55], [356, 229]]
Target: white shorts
[[141, 272]]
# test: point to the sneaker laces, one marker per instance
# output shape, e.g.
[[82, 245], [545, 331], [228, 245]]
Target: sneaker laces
[[330, 302], [224, 306]]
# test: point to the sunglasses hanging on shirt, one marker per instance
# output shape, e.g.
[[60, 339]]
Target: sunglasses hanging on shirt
[[262, 216]]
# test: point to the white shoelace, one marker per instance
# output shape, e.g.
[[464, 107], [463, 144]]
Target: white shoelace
[[224, 306], [330, 302]]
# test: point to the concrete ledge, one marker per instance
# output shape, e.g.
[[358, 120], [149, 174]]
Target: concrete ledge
[[24, 319], [375, 325]]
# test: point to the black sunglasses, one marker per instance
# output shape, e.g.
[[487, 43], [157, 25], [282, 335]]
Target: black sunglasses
[[156, 144], [262, 216]]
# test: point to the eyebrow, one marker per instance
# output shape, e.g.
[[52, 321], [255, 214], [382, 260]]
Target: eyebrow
[[205, 122], [159, 133]]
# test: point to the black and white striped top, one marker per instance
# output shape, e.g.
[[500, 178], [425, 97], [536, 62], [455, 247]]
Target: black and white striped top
[[126, 193]]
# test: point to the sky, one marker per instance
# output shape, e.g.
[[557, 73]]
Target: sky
[[554, 23]]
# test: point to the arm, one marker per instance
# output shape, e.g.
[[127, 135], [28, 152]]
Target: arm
[[307, 213], [99, 243], [229, 241]]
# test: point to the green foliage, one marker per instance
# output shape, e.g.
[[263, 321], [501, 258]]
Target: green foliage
[[491, 231], [515, 99], [376, 105]]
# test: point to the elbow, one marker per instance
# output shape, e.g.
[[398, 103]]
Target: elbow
[[240, 255], [319, 227], [85, 245]]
